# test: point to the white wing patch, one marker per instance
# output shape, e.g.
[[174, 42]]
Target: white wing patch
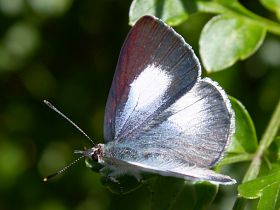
[[147, 91], [148, 87]]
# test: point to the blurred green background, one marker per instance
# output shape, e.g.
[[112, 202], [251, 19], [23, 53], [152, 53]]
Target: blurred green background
[[66, 51]]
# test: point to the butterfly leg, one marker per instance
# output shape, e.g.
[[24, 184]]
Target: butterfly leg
[[113, 179]]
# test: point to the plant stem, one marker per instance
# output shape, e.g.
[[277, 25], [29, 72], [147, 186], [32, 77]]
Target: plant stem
[[238, 9], [236, 158], [265, 142]]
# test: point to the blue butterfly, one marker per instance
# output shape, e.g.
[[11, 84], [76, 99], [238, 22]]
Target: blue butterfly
[[161, 117]]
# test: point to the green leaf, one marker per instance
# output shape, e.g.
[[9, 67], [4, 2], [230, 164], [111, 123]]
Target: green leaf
[[277, 142], [245, 137], [266, 188], [165, 191], [174, 194], [273, 5], [211, 7], [232, 7], [173, 12], [273, 152], [257, 187], [205, 194], [270, 198], [228, 38], [244, 141], [195, 196]]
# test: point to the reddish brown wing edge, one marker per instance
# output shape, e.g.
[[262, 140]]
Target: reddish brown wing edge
[[150, 41]]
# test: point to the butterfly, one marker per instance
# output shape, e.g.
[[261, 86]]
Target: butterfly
[[161, 117]]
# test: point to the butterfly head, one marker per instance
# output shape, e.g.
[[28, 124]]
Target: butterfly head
[[95, 153]]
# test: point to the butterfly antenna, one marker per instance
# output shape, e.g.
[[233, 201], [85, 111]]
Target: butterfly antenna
[[66, 118], [46, 178]]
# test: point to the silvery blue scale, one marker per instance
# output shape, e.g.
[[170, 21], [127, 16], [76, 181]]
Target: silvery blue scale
[[161, 116]]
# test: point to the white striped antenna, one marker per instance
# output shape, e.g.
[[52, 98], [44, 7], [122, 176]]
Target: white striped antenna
[[47, 178], [66, 118]]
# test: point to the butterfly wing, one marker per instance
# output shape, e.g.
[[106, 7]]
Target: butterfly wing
[[185, 139], [155, 68], [189, 173], [160, 116]]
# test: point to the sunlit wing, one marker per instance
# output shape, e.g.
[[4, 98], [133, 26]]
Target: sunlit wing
[[188, 173], [155, 68], [193, 131]]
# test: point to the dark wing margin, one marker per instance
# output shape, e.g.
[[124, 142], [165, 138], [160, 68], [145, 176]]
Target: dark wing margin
[[155, 68]]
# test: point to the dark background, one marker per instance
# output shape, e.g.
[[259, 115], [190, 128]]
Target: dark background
[[66, 51]]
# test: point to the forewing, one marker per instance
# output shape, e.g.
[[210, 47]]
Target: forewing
[[154, 69], [192, 132]]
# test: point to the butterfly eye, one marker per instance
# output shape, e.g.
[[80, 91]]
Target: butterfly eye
[[95, 155]]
